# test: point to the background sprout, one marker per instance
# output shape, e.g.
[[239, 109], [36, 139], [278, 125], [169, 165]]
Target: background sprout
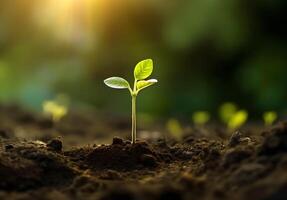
[[226, 111], [55, 110], [269, 118], [238, 119], [142, 71], [174, 128], [200, 117]]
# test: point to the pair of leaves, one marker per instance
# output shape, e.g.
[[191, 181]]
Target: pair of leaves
[[142, 70]]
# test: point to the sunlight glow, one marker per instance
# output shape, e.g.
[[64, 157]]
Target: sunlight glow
[[68, 20]]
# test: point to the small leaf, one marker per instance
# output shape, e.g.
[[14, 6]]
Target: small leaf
[[117, 83], [200, 117], [238, 119], [145, 83], [269, 117], [143, 69]]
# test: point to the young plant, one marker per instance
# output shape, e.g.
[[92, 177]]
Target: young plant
[[237, 120], [200, 117], [142, 71], [175, 129], [269, 117], [226, 111], [55, 110]]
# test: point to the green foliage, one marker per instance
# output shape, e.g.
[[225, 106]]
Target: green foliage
[[200, 117], [238, 119], [145, 83], [175, 129], [226, 111], [269, 117], [142, 71], [117, 83]]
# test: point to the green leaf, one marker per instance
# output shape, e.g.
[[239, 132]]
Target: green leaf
[[117, 83], [143, 69], [145, 83]]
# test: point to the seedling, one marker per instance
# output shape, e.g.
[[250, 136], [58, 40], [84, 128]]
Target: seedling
[[175, 129], [237, 120], [269, 117], [54, 110], [200, 117], [142, 71], [226, 111]]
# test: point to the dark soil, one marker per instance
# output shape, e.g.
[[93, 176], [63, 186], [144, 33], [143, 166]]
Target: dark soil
[[43, 160]]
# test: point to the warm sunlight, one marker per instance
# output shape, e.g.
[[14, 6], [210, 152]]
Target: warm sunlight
[[79, 120], [68, 20]]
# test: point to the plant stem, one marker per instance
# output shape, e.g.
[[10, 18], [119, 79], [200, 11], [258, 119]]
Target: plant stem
[[134, 119]]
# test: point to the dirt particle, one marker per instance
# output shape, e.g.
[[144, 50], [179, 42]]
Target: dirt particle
[[55, 145], [235, 139], [148, 160], [118, 141], [8, 147]]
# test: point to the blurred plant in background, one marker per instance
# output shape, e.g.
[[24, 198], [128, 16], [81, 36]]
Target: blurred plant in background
[[237, 120], [207, 52], [200, 117], [57, 108], [174, 129], [227, 111], [269, 117]]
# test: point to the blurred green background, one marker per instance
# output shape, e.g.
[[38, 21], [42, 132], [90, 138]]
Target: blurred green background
[[205, 52]]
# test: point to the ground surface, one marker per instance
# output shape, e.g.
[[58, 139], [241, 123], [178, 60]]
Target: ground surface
[[207, 164]]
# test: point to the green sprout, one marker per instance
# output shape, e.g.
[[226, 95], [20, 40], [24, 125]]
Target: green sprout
[[238, 119], [142, 71], [269, 117], [226, 111], [55, 110], [175, 129], [200, 117]]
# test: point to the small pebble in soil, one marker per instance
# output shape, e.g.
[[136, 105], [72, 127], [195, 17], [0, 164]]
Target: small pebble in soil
[[235, 139], [148, 160], [128, 142], [9, 146], [55, 145], [118, 141]]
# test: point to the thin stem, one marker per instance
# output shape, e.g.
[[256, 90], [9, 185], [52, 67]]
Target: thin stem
[[134, 119]]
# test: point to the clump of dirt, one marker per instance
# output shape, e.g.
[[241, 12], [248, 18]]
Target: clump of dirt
[[123, 155], [120, 155], [32, 164], [275, 141], [247, 164]]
